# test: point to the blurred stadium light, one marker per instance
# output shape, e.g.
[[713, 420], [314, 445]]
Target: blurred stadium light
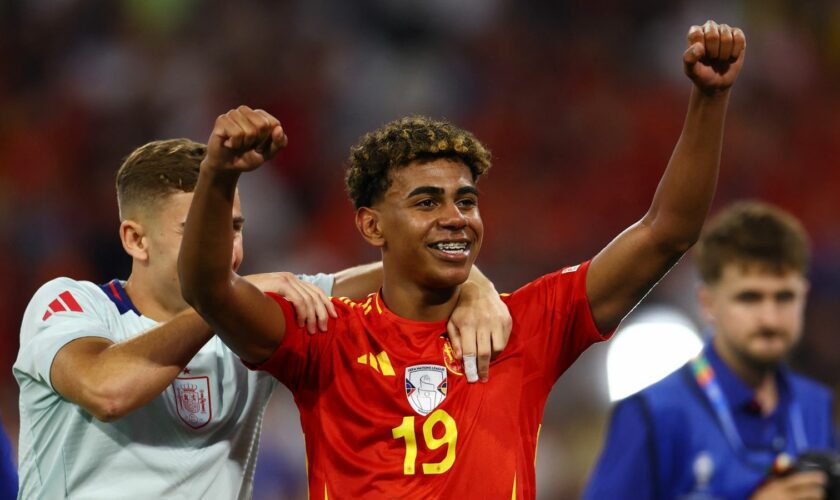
[[652, 344]]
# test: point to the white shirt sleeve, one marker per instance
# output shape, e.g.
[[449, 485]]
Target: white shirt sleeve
[[323, 281], [61, 311]]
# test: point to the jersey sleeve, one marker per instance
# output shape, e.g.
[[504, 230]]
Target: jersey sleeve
[[323, 281], [61, 311], [553, 321], [626, 466], [296, 362]]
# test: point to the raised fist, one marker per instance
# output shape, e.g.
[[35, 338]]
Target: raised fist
[[714, 56], [243, 139]]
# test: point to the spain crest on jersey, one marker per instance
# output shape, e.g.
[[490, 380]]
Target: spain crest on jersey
[[453, 364], [192, 398], [425, 387]]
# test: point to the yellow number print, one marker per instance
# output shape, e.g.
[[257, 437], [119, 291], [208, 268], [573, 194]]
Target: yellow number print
[[406, 431], [449, 438]]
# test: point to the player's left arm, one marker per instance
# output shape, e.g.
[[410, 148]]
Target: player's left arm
[[623, 272], [479, 327]]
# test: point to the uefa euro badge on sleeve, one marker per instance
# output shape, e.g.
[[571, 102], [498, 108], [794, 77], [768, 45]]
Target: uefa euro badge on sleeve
[[425, 387], [192, 398]]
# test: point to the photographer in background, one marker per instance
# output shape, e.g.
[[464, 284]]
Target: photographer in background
[[732, 422]]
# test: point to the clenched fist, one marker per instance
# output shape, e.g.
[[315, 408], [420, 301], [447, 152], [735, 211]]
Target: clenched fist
[[243, 139], [714, 56]]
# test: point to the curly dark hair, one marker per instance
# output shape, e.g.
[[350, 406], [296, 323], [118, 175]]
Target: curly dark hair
[[752, 233], [400, 142]]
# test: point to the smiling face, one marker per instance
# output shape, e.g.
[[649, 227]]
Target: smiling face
[[427, 224], [757, 313]]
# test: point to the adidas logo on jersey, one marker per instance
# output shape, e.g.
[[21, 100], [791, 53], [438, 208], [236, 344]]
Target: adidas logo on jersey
[[379, 362], [64, 302]]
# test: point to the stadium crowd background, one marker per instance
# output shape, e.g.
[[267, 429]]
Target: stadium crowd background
[[581, 103]]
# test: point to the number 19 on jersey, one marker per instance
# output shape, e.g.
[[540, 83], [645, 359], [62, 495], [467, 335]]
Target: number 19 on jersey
[[449, 438]]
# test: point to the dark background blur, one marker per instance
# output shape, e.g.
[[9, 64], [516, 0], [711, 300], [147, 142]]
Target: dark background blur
[[580, 101]]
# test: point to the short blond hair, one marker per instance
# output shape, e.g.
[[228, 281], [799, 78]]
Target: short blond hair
[[156, 170]]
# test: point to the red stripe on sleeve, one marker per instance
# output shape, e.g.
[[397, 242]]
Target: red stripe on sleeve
[[68, 299], [56, 306], [115, 292], [46, 315]]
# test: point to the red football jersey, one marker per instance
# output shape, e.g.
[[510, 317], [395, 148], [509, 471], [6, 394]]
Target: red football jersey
[[387, 412]]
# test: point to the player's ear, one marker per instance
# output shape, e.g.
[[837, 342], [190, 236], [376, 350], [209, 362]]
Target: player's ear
[[134, 240], [368, 223]]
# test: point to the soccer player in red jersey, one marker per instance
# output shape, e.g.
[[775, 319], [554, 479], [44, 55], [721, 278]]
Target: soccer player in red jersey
[[385, 409]]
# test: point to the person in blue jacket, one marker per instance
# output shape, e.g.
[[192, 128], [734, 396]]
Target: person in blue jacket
[[728, 423], [8, 471]]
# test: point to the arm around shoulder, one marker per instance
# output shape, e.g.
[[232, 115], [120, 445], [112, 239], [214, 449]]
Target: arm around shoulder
[[69, 344], [358, 282], [111, 379]]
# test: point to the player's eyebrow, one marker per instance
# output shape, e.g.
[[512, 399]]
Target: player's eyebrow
[[440, 191], [426, 190]]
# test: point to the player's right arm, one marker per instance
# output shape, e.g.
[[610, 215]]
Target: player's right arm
[[76, 352], [249, 322], [111, 379], [69, 344]]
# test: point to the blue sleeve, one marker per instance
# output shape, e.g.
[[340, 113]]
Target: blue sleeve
[[832, 433], [626, 467], [8, 472]]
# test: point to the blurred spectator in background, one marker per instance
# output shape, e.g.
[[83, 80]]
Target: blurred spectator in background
[[720, 426], [8, 471]]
